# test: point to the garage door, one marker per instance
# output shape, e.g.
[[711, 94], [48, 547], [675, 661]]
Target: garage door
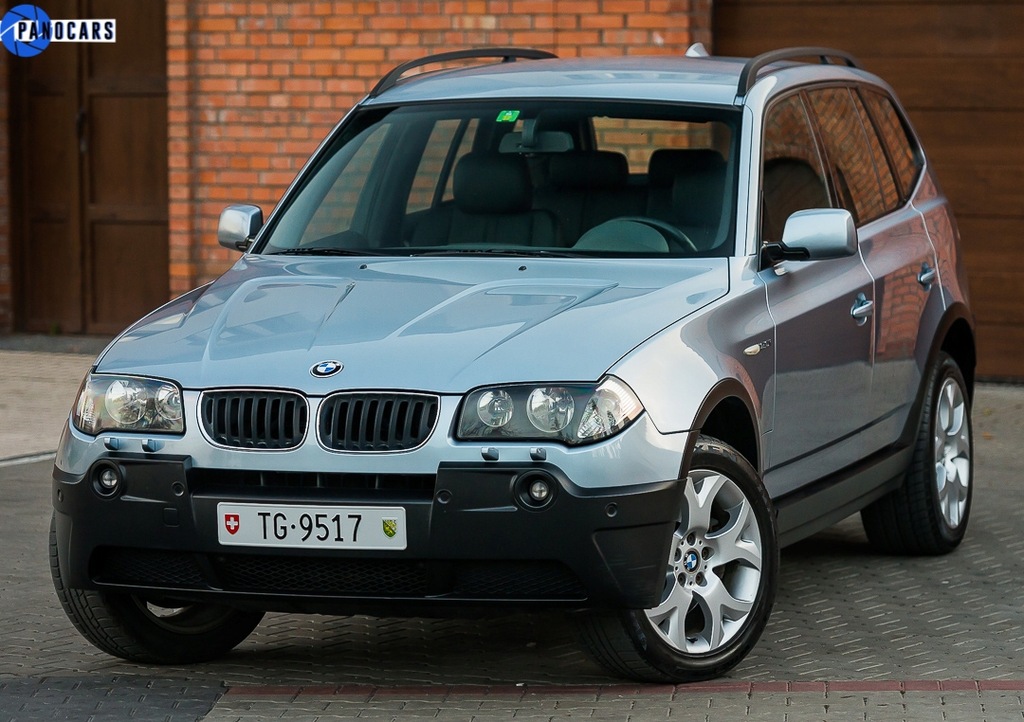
[[959, 70]]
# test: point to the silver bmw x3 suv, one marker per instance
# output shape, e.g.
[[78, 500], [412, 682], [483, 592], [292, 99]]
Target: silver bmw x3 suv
[[600, 334]]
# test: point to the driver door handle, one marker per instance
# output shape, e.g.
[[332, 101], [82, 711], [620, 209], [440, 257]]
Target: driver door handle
[[862, 309]]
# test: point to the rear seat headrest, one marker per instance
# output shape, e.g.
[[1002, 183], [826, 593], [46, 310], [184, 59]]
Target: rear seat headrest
[[666, 163], [589, 169], [492, 183]]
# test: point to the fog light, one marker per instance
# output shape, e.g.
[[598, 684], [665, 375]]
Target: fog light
[[540, 491], [107, 480], [535, 490]]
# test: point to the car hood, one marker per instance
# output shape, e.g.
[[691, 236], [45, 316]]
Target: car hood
[[430, 324]]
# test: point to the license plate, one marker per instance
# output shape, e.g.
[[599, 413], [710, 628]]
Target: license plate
[[319, 527]]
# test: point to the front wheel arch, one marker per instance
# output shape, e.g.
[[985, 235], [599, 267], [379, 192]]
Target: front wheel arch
[[730, 421], [671, 642], [727, 414]]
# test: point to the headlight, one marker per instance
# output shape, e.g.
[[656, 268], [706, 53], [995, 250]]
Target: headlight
[[128, 403], [567, 413], [495, 408]]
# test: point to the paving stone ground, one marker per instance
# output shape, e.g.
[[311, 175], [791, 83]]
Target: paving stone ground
[[854, 635]]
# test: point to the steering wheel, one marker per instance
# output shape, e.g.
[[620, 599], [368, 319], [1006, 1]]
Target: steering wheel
[[673, 235]]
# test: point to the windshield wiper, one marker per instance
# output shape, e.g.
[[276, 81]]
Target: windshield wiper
[[314, 251], [511, 252]]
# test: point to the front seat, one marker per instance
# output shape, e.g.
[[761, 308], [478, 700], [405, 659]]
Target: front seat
[[493, 196]]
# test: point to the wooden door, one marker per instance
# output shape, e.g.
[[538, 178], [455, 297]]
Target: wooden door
[[958, 69], [89, 169]]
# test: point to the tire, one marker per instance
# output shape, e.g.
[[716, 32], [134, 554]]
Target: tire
[[150, 631], [929, 513], [720, 581]]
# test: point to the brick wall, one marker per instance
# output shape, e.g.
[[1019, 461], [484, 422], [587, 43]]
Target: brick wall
[[6, 300], [254, 86]]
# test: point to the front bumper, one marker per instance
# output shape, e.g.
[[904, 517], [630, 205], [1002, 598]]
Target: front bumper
[[471, 538]]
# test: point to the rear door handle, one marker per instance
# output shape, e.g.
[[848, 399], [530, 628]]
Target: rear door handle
[[862, 309], [927, 276]]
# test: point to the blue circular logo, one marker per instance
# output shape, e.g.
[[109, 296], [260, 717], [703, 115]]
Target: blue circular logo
[[691, 561], [25, 30], [326, 368]]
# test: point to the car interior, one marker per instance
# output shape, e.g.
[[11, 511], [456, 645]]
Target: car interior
[[567, 182]]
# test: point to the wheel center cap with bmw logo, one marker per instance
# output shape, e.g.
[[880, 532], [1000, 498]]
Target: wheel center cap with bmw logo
[[326, 368], [691, 560]]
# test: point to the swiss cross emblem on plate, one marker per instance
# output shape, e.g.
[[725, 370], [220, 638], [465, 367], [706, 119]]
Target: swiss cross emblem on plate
[[231, 523]]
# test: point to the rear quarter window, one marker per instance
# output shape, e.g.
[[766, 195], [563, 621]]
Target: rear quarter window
[[848, 152], [890, 192], [902, 150]]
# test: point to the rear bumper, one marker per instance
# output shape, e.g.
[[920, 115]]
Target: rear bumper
[[472, 540]]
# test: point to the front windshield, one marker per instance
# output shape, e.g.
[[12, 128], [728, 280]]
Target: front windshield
[[555, 178]]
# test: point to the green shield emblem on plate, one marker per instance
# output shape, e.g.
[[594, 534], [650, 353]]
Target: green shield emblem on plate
[[390, 527]]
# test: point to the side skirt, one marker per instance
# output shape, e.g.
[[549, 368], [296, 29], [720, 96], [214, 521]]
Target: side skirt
[[820, 505]]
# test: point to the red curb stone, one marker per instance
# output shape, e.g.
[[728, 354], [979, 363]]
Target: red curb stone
[[807, 687], [769, 687], [571, 689], [494, 690], [629, 690], [884, 685], [319, 690], [481, 692], [406, 691], [349, 692], [703, 687], [498, 690], [625, 690], [1001, 684], [355, 689], [603, 692], [263, 691]]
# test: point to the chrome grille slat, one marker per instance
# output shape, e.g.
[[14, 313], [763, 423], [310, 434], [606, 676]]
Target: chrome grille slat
[[376, 421], [250, 419]]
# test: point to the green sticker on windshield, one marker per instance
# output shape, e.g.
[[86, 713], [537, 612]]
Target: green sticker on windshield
[[508, 116]]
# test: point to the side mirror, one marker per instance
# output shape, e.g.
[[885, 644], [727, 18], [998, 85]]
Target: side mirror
[[238, 225], [815, 234]]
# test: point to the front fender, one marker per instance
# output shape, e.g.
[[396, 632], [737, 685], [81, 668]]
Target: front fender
[[681, 373]]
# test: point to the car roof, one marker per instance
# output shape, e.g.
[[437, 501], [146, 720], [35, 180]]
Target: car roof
[[701, 80]]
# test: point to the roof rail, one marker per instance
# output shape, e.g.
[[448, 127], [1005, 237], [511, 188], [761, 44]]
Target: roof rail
[[507, 55], [749, 74]]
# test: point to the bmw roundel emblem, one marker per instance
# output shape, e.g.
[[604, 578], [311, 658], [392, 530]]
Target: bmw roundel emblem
[[326, 368], [691, 561]]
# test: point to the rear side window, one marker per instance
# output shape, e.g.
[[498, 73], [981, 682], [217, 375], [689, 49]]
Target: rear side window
[[905, 159], [792, 175], [849, 153], [890, 193]]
